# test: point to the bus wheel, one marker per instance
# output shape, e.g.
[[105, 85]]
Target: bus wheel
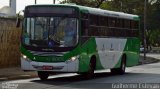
[[43, 75], [90, 73], [122, 68]]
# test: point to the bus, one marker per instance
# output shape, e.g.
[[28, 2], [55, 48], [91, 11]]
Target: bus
[[65, 38]]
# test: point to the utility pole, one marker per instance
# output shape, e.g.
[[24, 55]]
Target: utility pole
[[144, 31], [35, 1], [121, 6], [54, 1]]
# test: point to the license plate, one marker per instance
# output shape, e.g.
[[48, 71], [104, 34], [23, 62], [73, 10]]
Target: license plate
[[47, 67]]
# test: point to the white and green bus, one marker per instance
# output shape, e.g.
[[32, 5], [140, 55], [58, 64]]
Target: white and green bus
[[78, 39]]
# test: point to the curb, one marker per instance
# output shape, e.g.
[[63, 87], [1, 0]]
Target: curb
[[15, 77], [15, 73], [148, 60]]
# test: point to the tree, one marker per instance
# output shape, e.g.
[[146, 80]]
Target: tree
[[137, 7], [91, 3]]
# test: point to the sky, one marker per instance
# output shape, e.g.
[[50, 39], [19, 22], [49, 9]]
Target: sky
[[22, 3]]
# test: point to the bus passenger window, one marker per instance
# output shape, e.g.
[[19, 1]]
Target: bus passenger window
[[84, 27]]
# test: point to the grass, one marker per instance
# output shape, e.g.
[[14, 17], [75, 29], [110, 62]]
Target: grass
[[9, 44]]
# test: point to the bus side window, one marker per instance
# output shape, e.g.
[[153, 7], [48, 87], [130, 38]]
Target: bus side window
[[85, 25]]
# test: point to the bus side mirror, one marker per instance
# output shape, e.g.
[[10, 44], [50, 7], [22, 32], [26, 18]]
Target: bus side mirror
[[18, 22]]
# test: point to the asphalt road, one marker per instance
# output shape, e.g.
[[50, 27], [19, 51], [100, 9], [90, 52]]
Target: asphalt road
[[138, 77], [103, 79]]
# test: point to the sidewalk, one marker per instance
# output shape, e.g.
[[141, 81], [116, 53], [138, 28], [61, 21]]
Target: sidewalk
[[17, 73], [149, 59]]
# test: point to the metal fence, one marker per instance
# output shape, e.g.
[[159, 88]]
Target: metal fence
[[9, 43]]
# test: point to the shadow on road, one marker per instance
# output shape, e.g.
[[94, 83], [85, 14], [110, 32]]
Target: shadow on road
[[71, 79], [101, 80]]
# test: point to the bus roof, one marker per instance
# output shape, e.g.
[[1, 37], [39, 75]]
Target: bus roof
[[97, 11]]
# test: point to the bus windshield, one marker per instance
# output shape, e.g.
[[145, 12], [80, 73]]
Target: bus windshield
[[50, 32]]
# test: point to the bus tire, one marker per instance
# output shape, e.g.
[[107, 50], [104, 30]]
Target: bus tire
[[92, 65], [43, 75], [122, 68]]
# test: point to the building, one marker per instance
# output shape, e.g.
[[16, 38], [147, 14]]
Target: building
[[13, 6], [8, 11]]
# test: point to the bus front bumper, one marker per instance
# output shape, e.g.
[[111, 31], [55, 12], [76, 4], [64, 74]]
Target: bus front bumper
[[69, 66]]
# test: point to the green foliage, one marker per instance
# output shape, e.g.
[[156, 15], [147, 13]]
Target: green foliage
[[153, 37], [90, 3]]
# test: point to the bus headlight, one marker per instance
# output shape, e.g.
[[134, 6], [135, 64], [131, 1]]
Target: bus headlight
[[24, 56], [73, 59]]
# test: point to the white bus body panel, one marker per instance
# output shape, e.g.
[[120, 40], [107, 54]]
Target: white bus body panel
[[26, 65], [110, 50]]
